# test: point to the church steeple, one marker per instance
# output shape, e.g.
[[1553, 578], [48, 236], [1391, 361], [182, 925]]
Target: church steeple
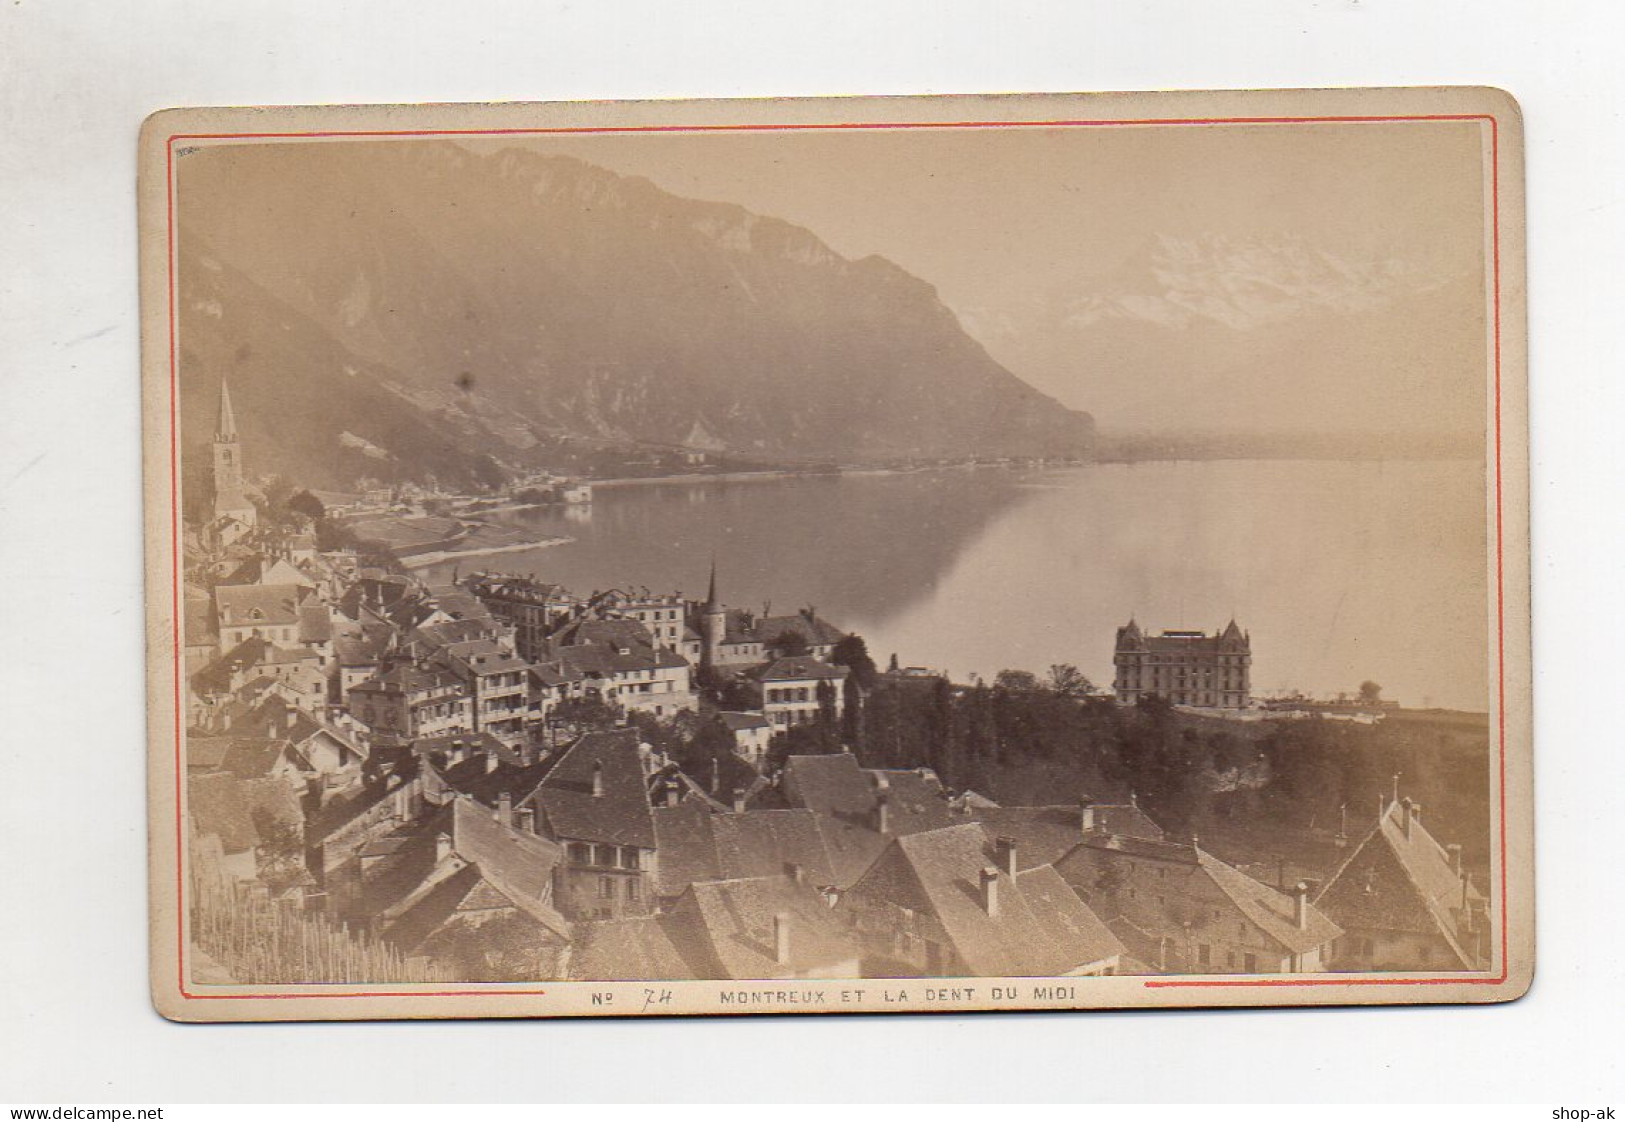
[[713, 623], [230, 490], [225, 429]]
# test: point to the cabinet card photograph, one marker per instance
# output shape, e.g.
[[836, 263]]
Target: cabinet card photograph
[[837, 555]]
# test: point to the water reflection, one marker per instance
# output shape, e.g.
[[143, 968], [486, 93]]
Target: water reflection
[[1341, 571]]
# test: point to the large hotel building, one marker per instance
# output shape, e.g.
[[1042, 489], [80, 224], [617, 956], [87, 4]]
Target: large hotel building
[[1185, 667]]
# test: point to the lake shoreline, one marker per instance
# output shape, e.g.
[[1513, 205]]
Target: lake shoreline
[[440, 557]]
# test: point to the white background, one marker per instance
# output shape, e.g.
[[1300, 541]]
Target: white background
[[76, 80]]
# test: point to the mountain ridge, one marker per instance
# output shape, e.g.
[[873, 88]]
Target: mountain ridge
[[515, 298]]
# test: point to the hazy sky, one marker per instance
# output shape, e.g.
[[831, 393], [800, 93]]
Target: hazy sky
[[987, 214]]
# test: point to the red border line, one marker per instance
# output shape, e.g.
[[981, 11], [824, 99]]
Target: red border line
[[174, 425], [607, 130]]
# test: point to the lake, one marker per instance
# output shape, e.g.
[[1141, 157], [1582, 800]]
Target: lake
[[1341, 571]]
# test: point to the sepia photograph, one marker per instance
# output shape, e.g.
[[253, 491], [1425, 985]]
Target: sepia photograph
[[837, 555]]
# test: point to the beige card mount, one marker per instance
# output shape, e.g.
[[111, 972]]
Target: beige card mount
[[837, 555]]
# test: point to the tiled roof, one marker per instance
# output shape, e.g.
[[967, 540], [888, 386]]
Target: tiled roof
[[1230, 639], [457, 603], [835, 785], [1268, 909], [606, 661], [624, 950], [1398, 883], [554, 674], [277, 605], [444, 634], [687, 845], [726, 929], [799, 668], [244, 757], [408, 678], [478, 743], [1068, 920], [1043, 834], [518, 864], [361, 649], [620, 815], [590, 629], [697, 843], [815, 631], [1126, 820], [1041, 934], [483, 656], [738, 722], [206, 753], [315, 623]]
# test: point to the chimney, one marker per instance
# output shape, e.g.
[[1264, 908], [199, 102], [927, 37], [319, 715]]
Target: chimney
[[883, 814], [1416, 813], [505, 809], [1406, 810], [1300, 906], [672, 794], [527, 819], [1088, 814], [797, 873], [1455, 858], [491, 762], [442, 847], [781, 938], [598, 779], [990, 891], [739, 802], [1006, 850], [830, 893]]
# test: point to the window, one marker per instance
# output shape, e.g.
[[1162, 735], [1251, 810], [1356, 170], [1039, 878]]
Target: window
[[1250, 963], [633, 888], [629, 857], [606, 888], [580, 853], [1204, 954]]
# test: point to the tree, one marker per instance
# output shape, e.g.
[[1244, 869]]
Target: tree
[[827, 698], [799, 740], [735, 693], [707, 756], [279, 857], [852, 653], [1370, 692], [308, 505], [1019, 681], [853, 724], [583, 714], [789, 643], [1068, 681]]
